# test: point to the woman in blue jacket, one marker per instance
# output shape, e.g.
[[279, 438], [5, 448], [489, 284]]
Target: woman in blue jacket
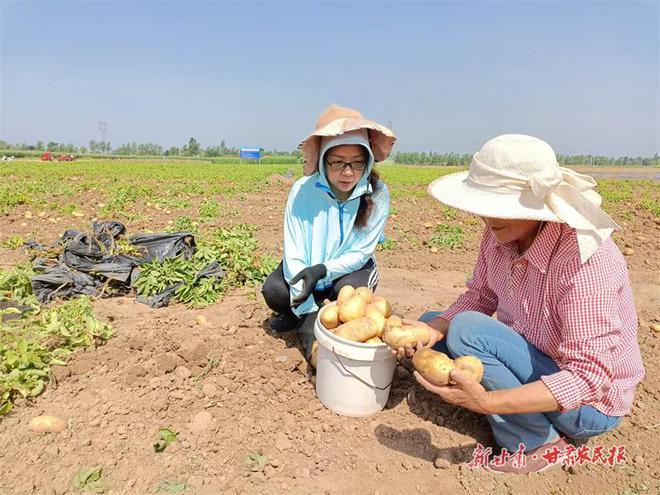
[[335, 217]]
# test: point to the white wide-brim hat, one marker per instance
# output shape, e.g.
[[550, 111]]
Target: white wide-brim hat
[[515, 176]]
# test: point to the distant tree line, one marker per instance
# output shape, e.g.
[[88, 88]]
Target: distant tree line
[[456, 159], [431, 158], [194, 149]]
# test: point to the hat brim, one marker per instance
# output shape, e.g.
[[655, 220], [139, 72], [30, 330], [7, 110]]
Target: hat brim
[[453, 190], [381, 140]]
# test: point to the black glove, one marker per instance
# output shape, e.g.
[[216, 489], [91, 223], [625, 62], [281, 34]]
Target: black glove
[[310, 276]]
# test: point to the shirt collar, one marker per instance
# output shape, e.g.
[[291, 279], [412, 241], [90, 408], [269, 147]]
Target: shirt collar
[[540, 252]]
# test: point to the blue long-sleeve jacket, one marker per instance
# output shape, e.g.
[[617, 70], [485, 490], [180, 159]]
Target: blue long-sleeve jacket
[[320, 229]]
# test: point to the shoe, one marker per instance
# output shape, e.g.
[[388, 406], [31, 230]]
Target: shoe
[[284, 322], [547, 456]]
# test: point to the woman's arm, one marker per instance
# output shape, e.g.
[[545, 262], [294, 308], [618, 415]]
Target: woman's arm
[[295, 256], [532, 397], [591, 329]]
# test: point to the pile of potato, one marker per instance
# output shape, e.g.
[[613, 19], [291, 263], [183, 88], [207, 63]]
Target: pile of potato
[[361, 316], [358, 315]]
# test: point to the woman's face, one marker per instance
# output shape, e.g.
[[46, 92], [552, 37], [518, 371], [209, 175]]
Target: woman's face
[[343, 180], [522, 231]]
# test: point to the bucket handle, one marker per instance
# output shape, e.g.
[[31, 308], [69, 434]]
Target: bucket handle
[[357, 377]]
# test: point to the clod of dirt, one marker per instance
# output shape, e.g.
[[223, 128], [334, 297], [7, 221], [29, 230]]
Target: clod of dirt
[[182, 372], [134, 373], [194, 353], [628, 251], [441, 463], [137, 342], [283, 443], [82, 366], [201, 422], [59, 373], [167, 362], [210, 390]]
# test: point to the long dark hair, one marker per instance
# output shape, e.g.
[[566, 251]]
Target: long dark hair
[[366, 201]]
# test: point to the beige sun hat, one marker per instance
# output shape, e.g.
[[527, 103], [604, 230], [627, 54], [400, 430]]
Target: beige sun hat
[[515, 176], [336, 120]]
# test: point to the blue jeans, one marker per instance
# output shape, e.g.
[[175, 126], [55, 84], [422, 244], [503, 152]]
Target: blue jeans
[[509, 362]]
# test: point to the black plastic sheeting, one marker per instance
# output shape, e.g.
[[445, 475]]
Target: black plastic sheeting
[[85, 265]]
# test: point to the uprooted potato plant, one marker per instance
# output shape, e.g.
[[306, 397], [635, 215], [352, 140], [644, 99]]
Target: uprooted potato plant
[[234, 249], [34, 337]]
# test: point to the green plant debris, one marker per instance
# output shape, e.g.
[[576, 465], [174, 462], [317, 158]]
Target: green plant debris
[[256, 462], [167, 437], [89, 480], [234, 249], [209, 210], [212, 363], [12, 242], [171, 486], [15, 286], [33, 339], [450, 214], [183, 224], [387, 245], [447, 236]]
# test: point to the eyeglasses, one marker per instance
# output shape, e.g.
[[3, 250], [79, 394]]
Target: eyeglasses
[[340, 166]]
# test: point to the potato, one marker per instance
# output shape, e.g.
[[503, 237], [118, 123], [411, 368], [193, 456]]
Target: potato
[[472, 365], [432, 365], [382, 304], [345, 293], [397, 334], [374, 340], [436, 366], [314, 356], [394, 321], [358, 330], [355, 307], [374, 313], [47, 424], [365, 292], [330, 316]]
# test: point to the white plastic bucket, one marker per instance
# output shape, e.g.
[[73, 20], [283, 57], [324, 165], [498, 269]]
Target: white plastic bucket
[[352, 378]]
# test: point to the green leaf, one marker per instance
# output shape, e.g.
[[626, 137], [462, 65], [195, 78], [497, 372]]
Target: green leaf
[[22, 346], [89, 479], [5, 408], [167, 437], [256, 462], [171, 486]]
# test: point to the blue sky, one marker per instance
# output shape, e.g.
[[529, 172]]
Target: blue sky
[[447, 75]]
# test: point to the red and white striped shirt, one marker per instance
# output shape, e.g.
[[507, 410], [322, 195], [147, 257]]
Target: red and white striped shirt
[[581, 315]]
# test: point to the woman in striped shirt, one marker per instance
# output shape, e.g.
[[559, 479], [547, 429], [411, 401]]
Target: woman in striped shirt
[[562, 359]]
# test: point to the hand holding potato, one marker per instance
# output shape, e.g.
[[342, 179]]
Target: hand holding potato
[[466, 391], [420, 335]]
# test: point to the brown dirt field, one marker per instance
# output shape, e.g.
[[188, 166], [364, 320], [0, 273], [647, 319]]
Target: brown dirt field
[[260, 398]]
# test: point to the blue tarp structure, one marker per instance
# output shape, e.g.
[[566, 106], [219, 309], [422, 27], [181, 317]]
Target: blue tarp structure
[[250, 153]]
